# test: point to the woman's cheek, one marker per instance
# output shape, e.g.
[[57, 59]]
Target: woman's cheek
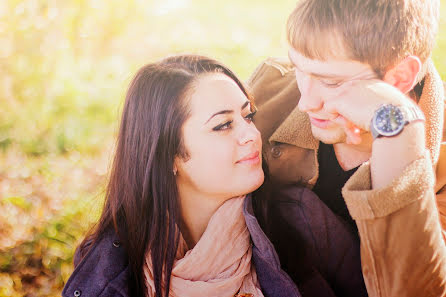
[[221, 155]]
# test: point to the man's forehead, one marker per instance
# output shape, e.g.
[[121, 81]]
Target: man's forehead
[[329, 67]]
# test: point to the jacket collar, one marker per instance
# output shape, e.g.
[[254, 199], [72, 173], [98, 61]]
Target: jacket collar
[[296, 129], [432, 104]]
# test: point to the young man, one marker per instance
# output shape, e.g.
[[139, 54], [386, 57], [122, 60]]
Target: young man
[[363, 127]]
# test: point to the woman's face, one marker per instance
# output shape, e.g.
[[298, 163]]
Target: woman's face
[[223, 145]]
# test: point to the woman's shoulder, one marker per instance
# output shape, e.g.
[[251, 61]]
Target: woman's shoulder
[[102, 271]]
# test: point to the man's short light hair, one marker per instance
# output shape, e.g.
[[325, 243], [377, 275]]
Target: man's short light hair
[[377, 32]]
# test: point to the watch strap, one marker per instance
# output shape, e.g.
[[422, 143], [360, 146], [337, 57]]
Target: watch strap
[[412, 113]]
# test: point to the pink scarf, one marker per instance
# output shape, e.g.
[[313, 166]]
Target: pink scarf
[[219, 264]]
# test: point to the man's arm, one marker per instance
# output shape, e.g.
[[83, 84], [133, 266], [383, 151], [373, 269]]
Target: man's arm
[[402, 248], [393, 202]]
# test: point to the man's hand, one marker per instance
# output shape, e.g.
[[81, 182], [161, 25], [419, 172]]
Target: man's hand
[[355, 103]]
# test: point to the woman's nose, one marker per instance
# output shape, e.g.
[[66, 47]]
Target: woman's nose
[[248, 133]]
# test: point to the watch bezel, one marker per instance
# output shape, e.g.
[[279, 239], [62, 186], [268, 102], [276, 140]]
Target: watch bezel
[[383, 132]]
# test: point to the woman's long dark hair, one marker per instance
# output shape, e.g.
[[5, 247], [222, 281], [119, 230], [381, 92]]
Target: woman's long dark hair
[[141, 202]]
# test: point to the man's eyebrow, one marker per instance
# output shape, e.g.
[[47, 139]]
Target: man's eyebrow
[[325, 76], [316, 75], [227, 111]]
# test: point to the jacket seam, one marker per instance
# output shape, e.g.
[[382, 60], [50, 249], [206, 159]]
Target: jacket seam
[[257, 72], [111, 281], [368, 246], [284, 70], [341, 262], [310, 230]]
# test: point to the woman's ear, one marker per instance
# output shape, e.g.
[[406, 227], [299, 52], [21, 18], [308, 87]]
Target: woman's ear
[[177, 164], [404, 75], [175, 168]]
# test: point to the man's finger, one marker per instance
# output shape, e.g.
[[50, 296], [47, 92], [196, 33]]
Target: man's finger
[[352, 132]]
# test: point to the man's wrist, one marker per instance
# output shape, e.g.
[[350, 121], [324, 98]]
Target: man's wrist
[[412, 133], [391, 155], [390, 119]]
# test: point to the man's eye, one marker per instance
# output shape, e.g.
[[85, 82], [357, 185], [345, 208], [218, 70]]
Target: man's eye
[[331, 84], [222, 127], [250, 116]]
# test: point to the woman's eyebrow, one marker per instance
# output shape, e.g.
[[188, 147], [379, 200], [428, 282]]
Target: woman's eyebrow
[[245, 104], [228, 111]]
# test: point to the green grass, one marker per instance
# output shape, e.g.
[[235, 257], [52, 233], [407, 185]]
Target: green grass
[[64, 69]]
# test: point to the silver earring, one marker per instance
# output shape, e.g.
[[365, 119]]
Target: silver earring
[[175, 172]]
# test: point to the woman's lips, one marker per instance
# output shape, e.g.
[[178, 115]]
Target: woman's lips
[[319, 123], [251, 159]]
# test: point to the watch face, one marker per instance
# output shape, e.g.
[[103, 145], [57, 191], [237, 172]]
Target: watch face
[[389, 120]]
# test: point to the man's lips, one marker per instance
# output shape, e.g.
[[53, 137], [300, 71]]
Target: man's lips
[[320, 123], [252, 158]]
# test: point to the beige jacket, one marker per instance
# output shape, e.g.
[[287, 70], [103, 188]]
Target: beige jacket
[[402, 247]]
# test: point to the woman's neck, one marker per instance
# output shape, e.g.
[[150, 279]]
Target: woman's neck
[[196, 211]]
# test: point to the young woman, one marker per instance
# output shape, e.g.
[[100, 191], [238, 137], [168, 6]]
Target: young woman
[[178, 218]]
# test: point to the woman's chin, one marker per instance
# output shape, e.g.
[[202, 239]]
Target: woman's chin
[[256, 182]]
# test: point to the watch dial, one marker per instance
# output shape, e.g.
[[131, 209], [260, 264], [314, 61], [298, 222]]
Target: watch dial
[[389, 119]]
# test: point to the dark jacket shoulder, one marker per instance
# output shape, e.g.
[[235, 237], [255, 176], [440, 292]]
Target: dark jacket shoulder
[[103, 270]]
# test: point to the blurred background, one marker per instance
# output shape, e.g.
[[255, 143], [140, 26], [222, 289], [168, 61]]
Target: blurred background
[[64, 69]]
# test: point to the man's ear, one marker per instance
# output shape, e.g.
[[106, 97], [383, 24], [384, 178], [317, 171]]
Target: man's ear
[[404, 75]]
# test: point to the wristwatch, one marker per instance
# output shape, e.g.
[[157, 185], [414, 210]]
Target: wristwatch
[[389, 120]]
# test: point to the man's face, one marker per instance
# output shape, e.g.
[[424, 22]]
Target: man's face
[[318, 82]]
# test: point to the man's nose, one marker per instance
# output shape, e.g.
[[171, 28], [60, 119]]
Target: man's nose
[[310, 99]]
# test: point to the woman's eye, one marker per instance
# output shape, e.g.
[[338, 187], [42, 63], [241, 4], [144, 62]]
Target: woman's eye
[[224, 126], [250, 116]]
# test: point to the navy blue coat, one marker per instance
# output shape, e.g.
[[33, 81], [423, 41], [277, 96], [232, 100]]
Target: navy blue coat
[[330, 267]]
